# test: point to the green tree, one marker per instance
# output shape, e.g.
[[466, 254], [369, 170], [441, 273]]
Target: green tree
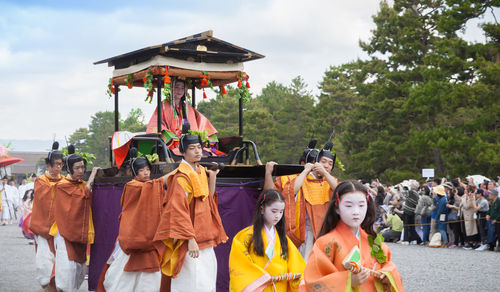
[[425, 98]]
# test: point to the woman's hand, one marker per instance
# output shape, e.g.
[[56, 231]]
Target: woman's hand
[[359, 278], [193, 249]]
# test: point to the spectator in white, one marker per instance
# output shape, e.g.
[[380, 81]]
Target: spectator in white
[[10, 200], [467, 207], [482, 208], [424, 210]]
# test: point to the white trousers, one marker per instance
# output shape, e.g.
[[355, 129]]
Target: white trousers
[[8, 211], [44, 261], [69, 274], [306, 248], [197, 274], [116, 279]]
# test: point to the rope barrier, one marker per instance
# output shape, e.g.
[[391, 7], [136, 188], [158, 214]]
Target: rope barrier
[[454, 221]]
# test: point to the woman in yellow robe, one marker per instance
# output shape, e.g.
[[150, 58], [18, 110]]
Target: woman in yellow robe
[[262, 257], [344, 236]]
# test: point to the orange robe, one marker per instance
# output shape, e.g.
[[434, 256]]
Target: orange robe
[[142, 203], [313, 197], [194, 215], [73, 217], [169, 123], [324, 270], [42, 216], [141, 207], [282, 181]]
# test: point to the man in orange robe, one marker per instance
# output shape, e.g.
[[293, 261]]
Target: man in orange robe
[[307, 197], [190, 226], [73, 228], [176, 113], [42, 216], [135, 262]]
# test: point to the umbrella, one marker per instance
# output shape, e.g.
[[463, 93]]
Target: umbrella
[[478, 179], [9, 160]]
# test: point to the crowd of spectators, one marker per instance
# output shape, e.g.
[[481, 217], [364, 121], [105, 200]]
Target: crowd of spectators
[[440, 213]]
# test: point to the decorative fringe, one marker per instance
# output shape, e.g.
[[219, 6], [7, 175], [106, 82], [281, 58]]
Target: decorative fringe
[[204, 94]]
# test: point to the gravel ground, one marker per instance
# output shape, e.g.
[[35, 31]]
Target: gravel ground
[[17, 262], [444, 269], [422, 268]]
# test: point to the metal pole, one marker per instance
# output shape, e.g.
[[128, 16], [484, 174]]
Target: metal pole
[[158, 105], [240, 117], [116, 109], [193, 94]]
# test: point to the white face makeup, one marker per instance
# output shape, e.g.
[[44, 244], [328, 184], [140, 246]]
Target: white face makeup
[[352, 209], [273, 213]]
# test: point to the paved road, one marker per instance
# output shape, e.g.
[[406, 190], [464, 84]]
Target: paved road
[[17, 262], [422, 268]]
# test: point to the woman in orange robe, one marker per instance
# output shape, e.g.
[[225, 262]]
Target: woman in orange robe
[[344, 237]]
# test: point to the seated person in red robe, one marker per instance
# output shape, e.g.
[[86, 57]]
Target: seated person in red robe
[[177, 112]]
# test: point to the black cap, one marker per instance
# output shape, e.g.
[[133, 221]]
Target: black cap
[[187, 139], [326, 152]]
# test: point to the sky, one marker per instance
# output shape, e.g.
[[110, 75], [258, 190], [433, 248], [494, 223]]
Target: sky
[[49, 86]]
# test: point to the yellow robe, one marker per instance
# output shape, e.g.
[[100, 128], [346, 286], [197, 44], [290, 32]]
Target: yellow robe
[[325, 272], [251, 272]]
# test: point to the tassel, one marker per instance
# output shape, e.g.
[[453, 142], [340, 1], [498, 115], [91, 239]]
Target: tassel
[[112, 88], [144, 79], [239, 82], [223, 90], [204, 94], [248, 84], [129, 85]]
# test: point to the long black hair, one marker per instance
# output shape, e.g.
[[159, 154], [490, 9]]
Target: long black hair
[[332, 218], [266, 198], [29, 194]]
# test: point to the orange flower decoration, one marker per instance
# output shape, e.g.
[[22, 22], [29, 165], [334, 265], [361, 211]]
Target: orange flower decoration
[[248, 84], [144, 79], [239, 81], [166, 79], [112, 88], [204, 81], [223, 90], [204, 94]]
